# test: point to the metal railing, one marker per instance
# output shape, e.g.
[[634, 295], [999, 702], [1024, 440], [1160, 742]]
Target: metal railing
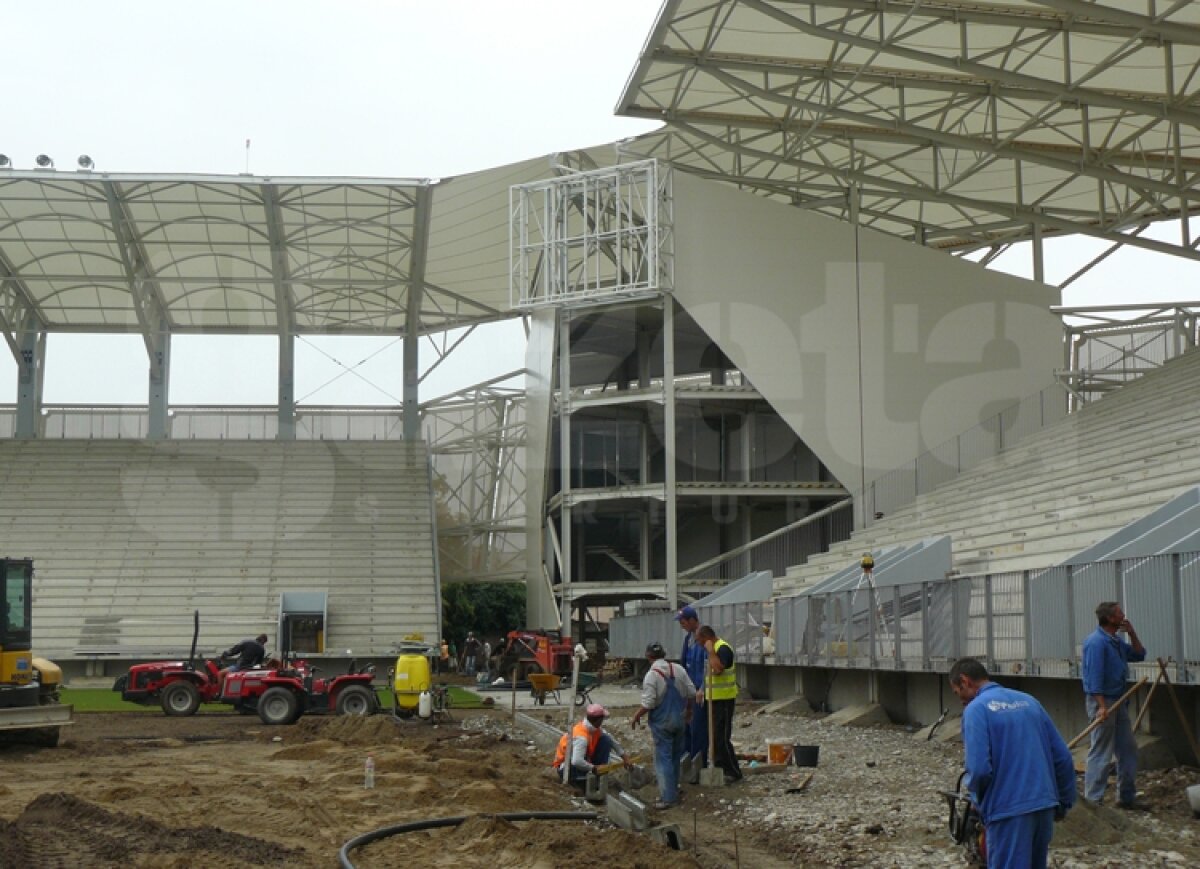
[[1110, 345], [964, 451], [742, 625], [778, 550], [1019, 623]]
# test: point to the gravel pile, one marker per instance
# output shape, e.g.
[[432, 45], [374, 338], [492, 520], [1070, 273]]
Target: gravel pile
[[874, 800]]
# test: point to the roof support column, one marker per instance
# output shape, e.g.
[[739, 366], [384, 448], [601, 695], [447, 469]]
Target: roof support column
[[412, 321], [160, 383], [285, 314], [1039, 255], [31, 366], [287, 387], [669, 434], [148, 304], [566, 469], [24, 331]]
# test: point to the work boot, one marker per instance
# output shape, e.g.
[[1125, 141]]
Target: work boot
[[1134, 806]]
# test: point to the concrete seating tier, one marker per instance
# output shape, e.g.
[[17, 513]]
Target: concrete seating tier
[[1058, 491], [130, 537]]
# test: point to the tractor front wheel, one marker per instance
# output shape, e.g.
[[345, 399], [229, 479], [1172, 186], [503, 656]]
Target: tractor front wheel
[[278, 706], [179, 699], [355, 700]]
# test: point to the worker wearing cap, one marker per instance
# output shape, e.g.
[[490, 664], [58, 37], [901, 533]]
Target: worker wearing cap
[[667, 695], [590, 745], [693, 656]]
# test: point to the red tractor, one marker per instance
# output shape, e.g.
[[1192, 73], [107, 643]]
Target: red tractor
[[279, 694], [282, 696]]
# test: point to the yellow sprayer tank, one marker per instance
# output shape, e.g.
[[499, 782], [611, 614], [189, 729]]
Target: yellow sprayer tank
[[412, 677]]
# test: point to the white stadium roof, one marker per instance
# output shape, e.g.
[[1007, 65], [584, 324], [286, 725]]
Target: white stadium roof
[[962, 125], [92, 252]]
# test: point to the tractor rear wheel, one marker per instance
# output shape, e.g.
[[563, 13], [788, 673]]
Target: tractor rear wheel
[[355, 700], [278, 706], [180, 698]]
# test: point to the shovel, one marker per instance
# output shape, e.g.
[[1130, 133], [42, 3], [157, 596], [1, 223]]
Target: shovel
[[710, 777]]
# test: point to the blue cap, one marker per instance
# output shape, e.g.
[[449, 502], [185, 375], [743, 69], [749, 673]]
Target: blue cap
[[686, 613]]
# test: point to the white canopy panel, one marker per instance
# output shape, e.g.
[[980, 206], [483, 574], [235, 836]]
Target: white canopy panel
[[86, 251], [960, 123]]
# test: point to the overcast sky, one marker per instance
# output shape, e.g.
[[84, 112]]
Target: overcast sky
[[403, 89], [408, 88]]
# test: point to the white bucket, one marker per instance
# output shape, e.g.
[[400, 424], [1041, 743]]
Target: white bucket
[[1193, 794]]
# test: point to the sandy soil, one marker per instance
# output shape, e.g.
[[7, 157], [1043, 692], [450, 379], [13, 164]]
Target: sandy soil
[[222, 790]]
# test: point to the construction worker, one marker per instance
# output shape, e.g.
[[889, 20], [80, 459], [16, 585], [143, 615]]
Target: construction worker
[[693, 656], [470, 654], [590, 745], [722, 690], [1019, 771], [249, 654], [667, 695]]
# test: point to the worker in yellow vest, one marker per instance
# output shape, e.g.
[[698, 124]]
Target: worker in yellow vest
[[721, 689], [591, 745]]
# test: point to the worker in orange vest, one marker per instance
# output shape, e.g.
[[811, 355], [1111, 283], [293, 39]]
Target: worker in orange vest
[[591, 745]]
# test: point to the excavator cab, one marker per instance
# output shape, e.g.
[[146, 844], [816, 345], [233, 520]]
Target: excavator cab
[[16, 637], [28, 685]]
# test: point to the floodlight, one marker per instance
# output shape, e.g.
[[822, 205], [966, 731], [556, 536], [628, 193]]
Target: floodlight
[[44, 160], [86, 162], [4, 161]]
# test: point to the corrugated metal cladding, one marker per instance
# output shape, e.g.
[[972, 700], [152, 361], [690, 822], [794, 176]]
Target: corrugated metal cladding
[[740, 625]]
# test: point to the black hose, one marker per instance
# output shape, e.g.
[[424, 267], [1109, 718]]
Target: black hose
[[437, 823]]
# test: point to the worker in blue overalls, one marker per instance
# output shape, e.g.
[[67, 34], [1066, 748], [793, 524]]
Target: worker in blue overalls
[[693, 658], [667, 695]]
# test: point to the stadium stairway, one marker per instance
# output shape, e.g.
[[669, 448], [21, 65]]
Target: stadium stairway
[[129, 537], [1055, 493]]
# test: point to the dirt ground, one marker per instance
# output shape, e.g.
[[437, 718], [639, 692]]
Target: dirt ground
[[222, 790]]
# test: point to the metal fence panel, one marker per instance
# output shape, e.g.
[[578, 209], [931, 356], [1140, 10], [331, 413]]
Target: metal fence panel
[[1148, 591], [1189, 609], [1010, 620], [1051, 615]]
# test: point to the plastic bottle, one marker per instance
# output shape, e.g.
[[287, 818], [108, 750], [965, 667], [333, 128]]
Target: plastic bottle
[[425, 705], [369, 778]]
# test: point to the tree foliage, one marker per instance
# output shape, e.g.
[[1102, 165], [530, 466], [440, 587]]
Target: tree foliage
[[489, 609]]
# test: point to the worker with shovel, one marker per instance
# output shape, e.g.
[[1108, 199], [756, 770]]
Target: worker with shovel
[[694, 658], [667, 695], [1106, 660], [722, 691]]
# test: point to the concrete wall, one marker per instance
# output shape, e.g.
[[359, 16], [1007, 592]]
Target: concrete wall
[[796, 299], [541, 610], [918, 698]]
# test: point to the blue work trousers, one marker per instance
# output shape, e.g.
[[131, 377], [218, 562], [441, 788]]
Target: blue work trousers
[[696, 737], [599, 757], [668, 751], [1021, 842], [1115, 735]]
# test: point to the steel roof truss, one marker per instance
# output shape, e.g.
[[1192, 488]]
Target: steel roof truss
[[153, 315]]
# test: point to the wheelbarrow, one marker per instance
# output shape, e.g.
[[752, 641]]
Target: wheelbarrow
[[543, 684], [584, 687]]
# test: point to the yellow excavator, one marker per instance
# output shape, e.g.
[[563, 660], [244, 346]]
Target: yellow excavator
[[29, 687]]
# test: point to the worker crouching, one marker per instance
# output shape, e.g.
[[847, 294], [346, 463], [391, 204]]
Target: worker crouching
[[590, 746]]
